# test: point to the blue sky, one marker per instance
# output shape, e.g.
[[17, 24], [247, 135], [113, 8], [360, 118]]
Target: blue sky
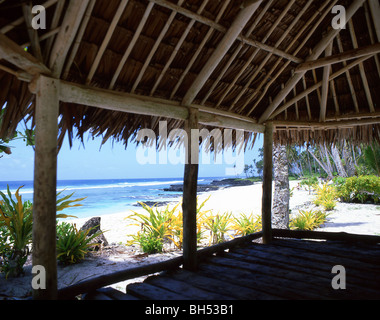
[[111, 161]]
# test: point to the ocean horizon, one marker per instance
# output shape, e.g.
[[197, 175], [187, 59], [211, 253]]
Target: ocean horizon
[[107, 196]]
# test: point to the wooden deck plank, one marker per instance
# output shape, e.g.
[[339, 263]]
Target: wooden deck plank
[[184, 288], [315, 266], [216, 285], [254, 281], [322, 278], [309, 284], [148, 291], [283, 269], [369, 253]]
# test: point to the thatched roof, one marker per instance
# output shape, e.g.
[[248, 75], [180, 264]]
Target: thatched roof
[[163, 50]]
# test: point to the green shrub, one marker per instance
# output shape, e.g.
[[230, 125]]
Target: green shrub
[[148, 242], [73, 244], [308, 220], [16, 228], [360, 189], [17, 223]]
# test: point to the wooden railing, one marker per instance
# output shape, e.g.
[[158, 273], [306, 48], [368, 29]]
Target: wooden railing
[[104, 280]]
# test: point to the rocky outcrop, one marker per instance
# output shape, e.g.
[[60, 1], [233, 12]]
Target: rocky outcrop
[[214, 185]]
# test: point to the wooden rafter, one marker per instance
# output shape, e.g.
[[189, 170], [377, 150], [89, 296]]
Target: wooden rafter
[[219, 27], [176, 49], [337, 58], [229, 38], [269, 55], [33, 34], [317, 85], [299, 47], [319, 48], [325, 85], [78, 39], [106, 39], [131, 44], [348, 76], [54, 26], [14, 54], [20, 20], [198, 51], [155, 47], [361, 69], [66, 35], [252, 56]]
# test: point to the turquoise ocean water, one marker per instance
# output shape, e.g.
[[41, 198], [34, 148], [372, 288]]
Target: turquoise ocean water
[[106, 196]]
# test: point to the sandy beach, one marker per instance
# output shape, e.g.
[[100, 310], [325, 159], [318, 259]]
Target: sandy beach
[[351, 218]]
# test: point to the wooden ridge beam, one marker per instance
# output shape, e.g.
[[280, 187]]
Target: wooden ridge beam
[[337, 58], [317, 51], [229, 38]]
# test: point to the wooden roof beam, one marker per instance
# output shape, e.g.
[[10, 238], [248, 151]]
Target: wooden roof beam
[[13, 53], [62, 44], [325, 85], [319, 48], [229, 38], [132, 103], [325, 125], [337, 58]]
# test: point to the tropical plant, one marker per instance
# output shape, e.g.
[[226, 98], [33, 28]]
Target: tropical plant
[[308, 220], [73, 244], [245, 224], [218, 225], [17, 218], [16, 221]]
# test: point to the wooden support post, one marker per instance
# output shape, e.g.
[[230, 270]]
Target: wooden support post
[[266, 209], [45, 181], [189, 203]]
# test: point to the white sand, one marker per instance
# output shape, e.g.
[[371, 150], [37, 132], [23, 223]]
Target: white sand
[[351, 218]]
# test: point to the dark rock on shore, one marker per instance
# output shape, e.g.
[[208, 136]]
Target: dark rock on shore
[[232, 182], [94, 225], [201, 188], [214, 185]]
